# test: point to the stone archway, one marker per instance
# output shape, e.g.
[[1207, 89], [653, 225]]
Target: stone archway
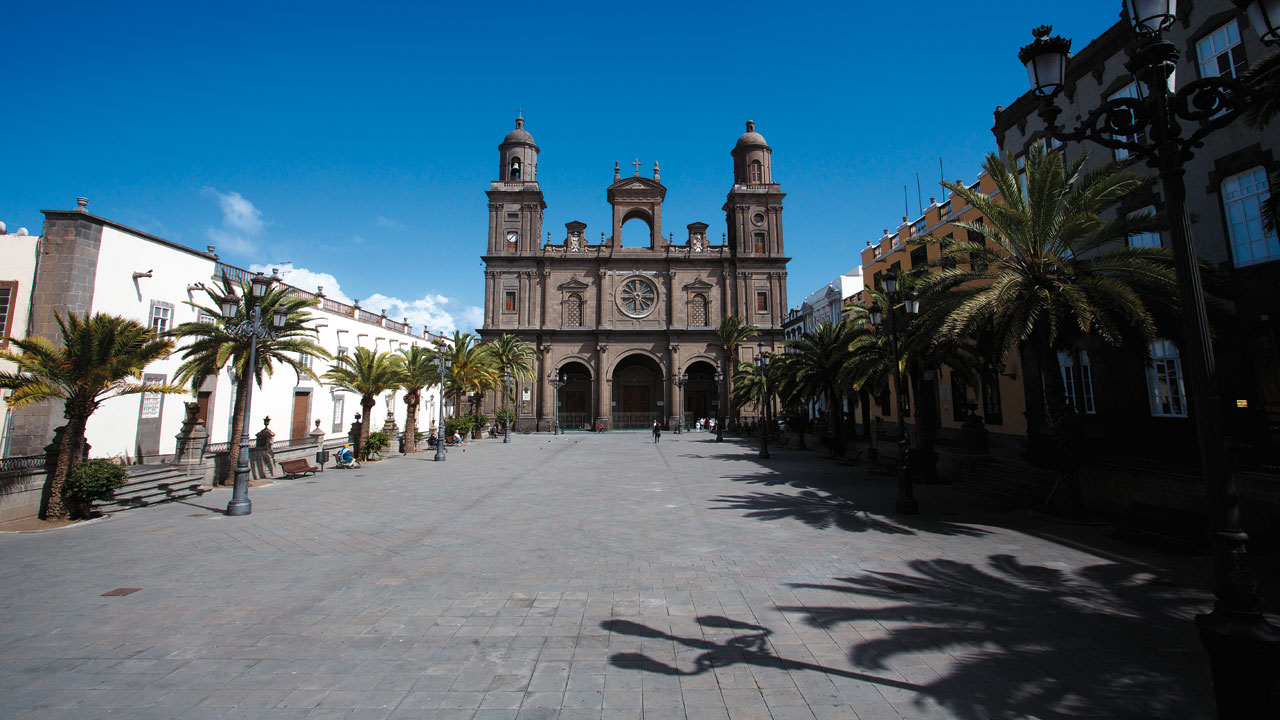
[[637, 392], [576, 409], [700, 397]]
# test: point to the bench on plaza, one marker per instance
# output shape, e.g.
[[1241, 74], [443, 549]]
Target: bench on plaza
[[298, 468], [1181, 529]]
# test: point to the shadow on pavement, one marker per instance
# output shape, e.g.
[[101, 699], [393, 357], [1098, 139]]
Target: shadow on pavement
[[825, 510], [1032, 641]]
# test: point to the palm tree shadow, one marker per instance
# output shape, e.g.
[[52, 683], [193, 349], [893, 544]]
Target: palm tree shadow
[[828, 510], [750, 646], [1031, 641]]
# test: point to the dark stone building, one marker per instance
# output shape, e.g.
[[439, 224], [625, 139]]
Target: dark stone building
[[621, 324]]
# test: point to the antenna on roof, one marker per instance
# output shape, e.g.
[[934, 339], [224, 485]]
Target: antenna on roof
[[942, 176], [906, 206]]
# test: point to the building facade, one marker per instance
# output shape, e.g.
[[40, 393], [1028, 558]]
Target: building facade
[[622, 326], [1134, 404], [84, 263]]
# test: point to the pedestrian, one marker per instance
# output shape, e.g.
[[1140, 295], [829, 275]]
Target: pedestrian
[[600, 427], [657, 432]]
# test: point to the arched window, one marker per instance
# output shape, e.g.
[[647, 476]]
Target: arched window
[[573, 311], [515, 169], [757, 172], [698, 311]]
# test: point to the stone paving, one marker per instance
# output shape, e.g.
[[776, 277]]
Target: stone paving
[[595, 576]]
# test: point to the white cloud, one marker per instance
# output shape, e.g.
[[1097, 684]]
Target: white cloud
[[305, 279], [435, 312], [389, 223], [241, 224], [237, 213]]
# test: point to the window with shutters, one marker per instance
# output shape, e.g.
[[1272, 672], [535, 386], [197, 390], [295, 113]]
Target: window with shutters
[[161, 316], [1243, 196], [698, 311], [573, 311], [8, 301]]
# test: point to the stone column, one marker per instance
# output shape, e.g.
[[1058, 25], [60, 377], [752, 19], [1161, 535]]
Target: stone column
[[604, 397], [545, 392]]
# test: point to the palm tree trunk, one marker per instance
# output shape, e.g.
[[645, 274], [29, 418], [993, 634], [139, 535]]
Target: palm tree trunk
[[926, 425], [411, 402], [1062, 428], [864, 403], [835, 409], [237, 429], [366, 405]]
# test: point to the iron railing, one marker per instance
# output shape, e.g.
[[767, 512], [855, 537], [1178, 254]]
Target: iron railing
[[24, 462], [574, 421]]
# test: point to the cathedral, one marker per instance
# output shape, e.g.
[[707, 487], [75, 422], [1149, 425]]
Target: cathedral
[[628, 333]]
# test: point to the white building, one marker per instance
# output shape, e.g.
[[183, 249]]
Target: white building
[[19, 252], [88, 263], [823, 305]]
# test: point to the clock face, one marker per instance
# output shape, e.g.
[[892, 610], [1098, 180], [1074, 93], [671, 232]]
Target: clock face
[[512, 235], [757, 220], [637, 297]]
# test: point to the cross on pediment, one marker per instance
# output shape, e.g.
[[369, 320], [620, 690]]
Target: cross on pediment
[[637, 165]]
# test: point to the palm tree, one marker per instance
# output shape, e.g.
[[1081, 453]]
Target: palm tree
[[101, 356], [1058, 272], [417, 371], [210, 347], [473, 370], [512, 354], [811, 370], [733, 333], [367, 373]]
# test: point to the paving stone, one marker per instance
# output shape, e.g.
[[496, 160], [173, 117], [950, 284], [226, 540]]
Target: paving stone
[[595, 576]]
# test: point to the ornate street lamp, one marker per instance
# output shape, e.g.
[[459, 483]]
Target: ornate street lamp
[[719, 420], [762, 364], [906, 503], [443, 363], [252, 328], [506, 384], [557, 382], [1151, 128], [679, 381]]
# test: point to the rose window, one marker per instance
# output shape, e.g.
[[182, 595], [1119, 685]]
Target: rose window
[[637, 297]]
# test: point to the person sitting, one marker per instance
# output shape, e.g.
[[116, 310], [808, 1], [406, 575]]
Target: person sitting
[[433, 439], [457, 439], [346, 459]]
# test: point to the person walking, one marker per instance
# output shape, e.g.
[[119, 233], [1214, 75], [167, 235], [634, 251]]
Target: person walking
[[657, 432]]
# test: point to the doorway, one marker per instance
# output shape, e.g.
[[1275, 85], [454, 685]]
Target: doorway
[[637, 393]]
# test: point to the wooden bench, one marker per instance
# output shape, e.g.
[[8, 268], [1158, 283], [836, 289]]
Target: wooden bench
[[297, 468], [1180, 529]]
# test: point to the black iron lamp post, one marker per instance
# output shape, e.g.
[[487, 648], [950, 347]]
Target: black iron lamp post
[[906, 503], [762, 364], [506, 429], [557, 382], [443, 363], [679, 381], [1163, 127], [252, 328], [719, 420]]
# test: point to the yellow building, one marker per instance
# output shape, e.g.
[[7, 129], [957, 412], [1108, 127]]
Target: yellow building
[[999, 399]]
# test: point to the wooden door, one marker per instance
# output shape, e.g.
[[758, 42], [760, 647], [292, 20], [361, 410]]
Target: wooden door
[[202, 399], [301, 414], [635, 399]]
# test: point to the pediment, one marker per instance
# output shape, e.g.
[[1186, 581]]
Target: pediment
[[572, 285], [697, 285], [637, 183]]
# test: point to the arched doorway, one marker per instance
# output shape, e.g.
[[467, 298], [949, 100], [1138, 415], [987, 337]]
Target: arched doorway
[[637, 393], [700, 397], [575, 397]]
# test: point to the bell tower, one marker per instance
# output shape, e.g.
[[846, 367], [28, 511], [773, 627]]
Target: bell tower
[[753, 210], [515, 199]]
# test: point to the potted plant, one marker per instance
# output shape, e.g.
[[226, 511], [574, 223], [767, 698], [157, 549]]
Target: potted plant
[[89, 481]]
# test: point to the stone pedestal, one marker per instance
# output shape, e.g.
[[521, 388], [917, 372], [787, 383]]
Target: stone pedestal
[[192, 439], [265, 436]]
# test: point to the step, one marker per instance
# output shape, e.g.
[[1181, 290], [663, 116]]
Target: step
[[156, 484]]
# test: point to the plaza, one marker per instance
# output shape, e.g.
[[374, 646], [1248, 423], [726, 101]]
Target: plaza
[[596, 576]]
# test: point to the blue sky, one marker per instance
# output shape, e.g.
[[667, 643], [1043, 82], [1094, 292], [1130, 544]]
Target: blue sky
[[356, 140]]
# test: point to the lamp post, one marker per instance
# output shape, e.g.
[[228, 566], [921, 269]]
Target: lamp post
[[506, 430], [679, 381], [1239, 639], [443, 363], [719, 420], [906, 503], [762, 364], [557, 382], [252, 328]]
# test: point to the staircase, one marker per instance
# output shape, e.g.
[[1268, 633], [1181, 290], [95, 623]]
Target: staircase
[[151, 484], [1012, 482]]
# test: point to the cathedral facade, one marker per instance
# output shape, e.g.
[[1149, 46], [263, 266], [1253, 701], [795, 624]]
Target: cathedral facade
[[629, 332]]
